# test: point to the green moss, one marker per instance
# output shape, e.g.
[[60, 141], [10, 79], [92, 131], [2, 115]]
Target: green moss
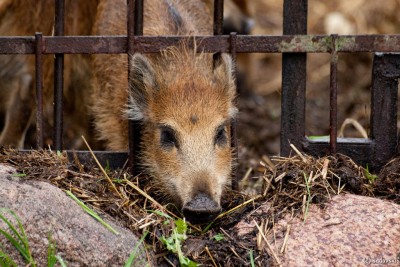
[[306, 43], [345, 43]]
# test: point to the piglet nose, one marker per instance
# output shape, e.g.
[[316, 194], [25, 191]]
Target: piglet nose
[[201, 209]]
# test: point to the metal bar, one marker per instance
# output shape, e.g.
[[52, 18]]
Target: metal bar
[[385, 75], [58, 78], [333, 98], [114, 160], [293, 79], [135, 28], [39, 89], [360, 150], [209, 44], [234, 141], [218, 16], [218, 24], [130, 26], [138, 17]]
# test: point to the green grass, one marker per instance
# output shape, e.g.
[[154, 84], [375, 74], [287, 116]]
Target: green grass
[[371, 177], [135, 251], [5, 260], [91, 212], [251, 256], [218, 237], [308, 195], [17, 237], [18, 175]]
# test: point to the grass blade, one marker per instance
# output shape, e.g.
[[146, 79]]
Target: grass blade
[[51, 253], [91, 212], [308, 195], [9, 224], [251, 258], [61, 261], [134, 252], [6, 261], [16, 244], [20, 242]]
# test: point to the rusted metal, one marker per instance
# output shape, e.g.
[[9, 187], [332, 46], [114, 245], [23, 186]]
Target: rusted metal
[[209, 44], [218, 16], [58, 78], [333, 98], [218, 24], [113, 160], [382, 145], [234, 141], [138, 17], [135, 28], [359, 149], [385, 75], [293, 79], [39, 89]]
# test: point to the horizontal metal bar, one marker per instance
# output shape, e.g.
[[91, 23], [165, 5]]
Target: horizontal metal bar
[[111, 159], [350, 140], [245, 44], [360, 150], [17, 45], [114, 160]]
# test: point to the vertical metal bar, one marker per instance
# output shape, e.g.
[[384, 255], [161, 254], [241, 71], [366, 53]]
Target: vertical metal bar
[[333, 97], [234, 142], [39, 89], [218, 30], [58, 78], [218, 16], [293, 79], [218, 22], [385, 75], [135, 27], [138, 17]]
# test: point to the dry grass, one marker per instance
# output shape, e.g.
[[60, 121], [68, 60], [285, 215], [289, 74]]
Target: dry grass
[[289, 185]]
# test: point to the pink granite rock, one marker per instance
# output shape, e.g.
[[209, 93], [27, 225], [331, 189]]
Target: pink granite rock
[[352, 231], [80, 239]]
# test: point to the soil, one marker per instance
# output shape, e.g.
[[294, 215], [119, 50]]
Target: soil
[[283, 185], [258, 131]]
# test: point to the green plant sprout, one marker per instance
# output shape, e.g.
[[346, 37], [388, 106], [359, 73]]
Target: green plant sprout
[[174, 243]]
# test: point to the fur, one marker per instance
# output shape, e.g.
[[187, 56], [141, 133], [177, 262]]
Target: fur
[[175, 89]]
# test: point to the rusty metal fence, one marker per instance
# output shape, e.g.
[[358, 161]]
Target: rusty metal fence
[[294, 45]]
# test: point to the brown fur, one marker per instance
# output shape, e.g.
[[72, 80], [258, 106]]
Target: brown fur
[[175, 93], [17, 92], [178, 90], [24, 17]]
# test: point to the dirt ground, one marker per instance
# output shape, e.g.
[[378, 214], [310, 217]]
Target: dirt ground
[[227, 241]]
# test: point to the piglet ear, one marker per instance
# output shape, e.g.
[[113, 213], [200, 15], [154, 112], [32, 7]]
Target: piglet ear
[[142, 83], [223, 77]]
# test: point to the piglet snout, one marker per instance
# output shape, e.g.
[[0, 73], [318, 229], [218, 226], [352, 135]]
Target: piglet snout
[[201, 209]]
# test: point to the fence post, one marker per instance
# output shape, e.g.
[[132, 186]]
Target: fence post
[[135, 27], [293, 79], [58, 78], [385, 75]]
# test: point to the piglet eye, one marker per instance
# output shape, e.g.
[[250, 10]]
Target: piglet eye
[[168, 138], [221, 136]]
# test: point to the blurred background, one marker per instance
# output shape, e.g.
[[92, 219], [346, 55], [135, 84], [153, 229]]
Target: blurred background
[[259, 120]]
